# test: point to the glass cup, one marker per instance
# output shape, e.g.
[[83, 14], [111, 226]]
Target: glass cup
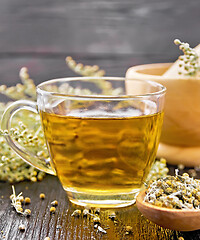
[[101, 141]]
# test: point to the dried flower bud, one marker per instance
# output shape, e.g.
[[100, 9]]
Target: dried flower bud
[[22, 227], [180, 238], [27, 212], [112, 216], [54, 203], [177, 41], [42, 195], [33, 179], [85, 212], [27, 200], [19, 209], [185, 175], [97, 210], [181, 166], [96, 220], [129, 228], [76, 213], [52, 209]]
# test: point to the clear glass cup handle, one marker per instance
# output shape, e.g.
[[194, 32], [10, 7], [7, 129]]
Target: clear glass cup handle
[[32, 159]]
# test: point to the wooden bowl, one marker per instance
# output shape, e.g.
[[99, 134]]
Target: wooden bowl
[[180, 139], [175, 219]]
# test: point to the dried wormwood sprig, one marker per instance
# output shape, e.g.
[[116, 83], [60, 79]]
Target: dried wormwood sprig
[[13, 168], [86, 70], [16, 202], [189, 62], [92, 71], [158, 170], [26, 90]]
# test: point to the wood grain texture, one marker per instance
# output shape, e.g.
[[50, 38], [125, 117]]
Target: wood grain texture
[[62, 225], [113, 34], [49, 67], [97, 27]]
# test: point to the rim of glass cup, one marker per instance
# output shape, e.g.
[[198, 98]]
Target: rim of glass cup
[[100, 96]]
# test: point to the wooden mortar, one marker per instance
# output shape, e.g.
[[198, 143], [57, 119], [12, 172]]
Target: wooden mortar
[[180, 138]]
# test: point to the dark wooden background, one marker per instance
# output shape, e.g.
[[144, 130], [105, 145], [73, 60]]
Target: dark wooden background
[[115, 34]]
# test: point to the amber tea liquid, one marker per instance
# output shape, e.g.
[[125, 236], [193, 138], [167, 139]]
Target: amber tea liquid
[[102, 156]]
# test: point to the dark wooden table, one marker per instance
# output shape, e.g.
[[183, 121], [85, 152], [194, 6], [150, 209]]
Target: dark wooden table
[[112, 34], [62, 225]]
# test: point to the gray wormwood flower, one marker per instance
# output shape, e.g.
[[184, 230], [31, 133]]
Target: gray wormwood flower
[[158, 170], [12, 167], [93, 71], [24, 90], [86, 70], [189, 62]]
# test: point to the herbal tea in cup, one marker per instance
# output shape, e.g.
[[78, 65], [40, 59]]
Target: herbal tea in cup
[[101, 141]]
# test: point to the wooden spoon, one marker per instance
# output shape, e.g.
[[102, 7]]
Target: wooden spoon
[[175, 219]]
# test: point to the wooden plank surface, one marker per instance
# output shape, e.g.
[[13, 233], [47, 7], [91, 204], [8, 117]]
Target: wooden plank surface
[[62, 225], [49, 67], [113, 34], [97, 27]]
